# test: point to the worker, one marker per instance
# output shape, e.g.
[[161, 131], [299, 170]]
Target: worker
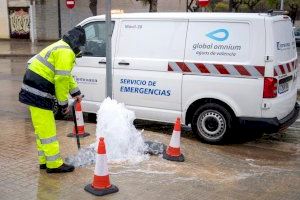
[[48, 77]]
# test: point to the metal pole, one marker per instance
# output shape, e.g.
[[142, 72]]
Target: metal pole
[[187, 5], [32, 21], [281, 4], [108, 48], [70, 17], [59, 18], [230, 5]]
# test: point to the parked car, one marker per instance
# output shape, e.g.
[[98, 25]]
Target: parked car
[[216, 71]]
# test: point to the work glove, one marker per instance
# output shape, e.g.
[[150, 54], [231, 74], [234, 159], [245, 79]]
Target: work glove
[[78, 98], [65, 110]]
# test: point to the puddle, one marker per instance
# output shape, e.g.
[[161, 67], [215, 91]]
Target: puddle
[[86, 156]]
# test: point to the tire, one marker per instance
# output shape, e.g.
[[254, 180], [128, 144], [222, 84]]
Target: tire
[[212, 123]]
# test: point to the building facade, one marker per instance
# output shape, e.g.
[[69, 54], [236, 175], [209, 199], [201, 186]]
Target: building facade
[[39, 19]]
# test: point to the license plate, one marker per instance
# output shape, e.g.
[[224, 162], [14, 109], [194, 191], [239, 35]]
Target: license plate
[[284, 87]]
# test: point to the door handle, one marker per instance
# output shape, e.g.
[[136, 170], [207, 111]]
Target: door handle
[[123, 63], [102, 62]]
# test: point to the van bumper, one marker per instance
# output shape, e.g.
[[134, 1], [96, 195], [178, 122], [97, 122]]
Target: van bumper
[[269, 125]]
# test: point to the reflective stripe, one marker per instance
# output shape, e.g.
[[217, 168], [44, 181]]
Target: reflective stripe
[[53, 158], [175, 139], [45, 62], [36, 91], [211, 68], [193, 67], [49, 140], [231, 69], [174, 66], [62, 72], [41, 153], [74, 90], [79, 118], [49, 65], [101, 168], [31, 59], [63, 103], [53, 49]]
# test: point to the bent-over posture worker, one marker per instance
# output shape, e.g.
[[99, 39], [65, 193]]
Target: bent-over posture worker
[[47, 77]]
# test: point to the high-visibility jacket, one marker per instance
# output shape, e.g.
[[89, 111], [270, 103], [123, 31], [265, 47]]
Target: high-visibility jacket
[[48, 76]]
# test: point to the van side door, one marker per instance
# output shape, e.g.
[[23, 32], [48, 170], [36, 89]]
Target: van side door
[[227, 57], [142, 80], [90, 70]]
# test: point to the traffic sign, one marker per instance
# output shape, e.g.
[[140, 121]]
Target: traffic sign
[[203, 3], [70, 4]]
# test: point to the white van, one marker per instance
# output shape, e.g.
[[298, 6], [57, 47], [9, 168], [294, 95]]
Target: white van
[[217, 71]]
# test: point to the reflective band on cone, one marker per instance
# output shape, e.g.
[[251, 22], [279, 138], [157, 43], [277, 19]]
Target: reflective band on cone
[[173, 152], [101, 183], [175, 140], [80, 122], [101, 166], [79, 116]]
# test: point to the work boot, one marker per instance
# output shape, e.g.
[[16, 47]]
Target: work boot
[[43, 166], [62, 169]]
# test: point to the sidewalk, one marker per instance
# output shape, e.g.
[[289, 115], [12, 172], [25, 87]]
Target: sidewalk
[[20, 48]]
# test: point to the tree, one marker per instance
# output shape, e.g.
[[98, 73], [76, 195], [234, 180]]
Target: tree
[[243, 8], [230, 5], [262, 6], [152, 3], [235, 5], [274, 4], [293, 6], [251, 4], [93, 7], [213, 5], [221, 7]]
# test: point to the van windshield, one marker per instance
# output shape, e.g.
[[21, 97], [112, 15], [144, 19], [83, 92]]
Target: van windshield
[[285, 45]]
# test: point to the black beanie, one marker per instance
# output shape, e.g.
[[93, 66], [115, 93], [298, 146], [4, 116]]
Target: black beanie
[[75, 38]]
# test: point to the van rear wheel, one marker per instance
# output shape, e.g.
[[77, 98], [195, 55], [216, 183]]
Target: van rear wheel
[[212, 123]]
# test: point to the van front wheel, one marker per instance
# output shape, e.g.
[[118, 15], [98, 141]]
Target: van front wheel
[[212, 123]]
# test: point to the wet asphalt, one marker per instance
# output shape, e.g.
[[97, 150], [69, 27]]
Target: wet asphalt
[[254, 166]]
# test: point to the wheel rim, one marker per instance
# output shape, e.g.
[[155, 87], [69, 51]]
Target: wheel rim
[[211, 124]]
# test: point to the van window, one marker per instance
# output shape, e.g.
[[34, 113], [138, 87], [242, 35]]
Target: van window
[[156, 42], [95, 39], [226, 42], [284, 41]]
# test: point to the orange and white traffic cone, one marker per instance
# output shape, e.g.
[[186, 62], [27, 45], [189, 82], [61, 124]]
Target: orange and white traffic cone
[[101, 183], [173, 152], [80, 122]]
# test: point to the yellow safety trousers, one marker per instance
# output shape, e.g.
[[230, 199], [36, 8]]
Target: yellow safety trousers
[[45, 130]]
